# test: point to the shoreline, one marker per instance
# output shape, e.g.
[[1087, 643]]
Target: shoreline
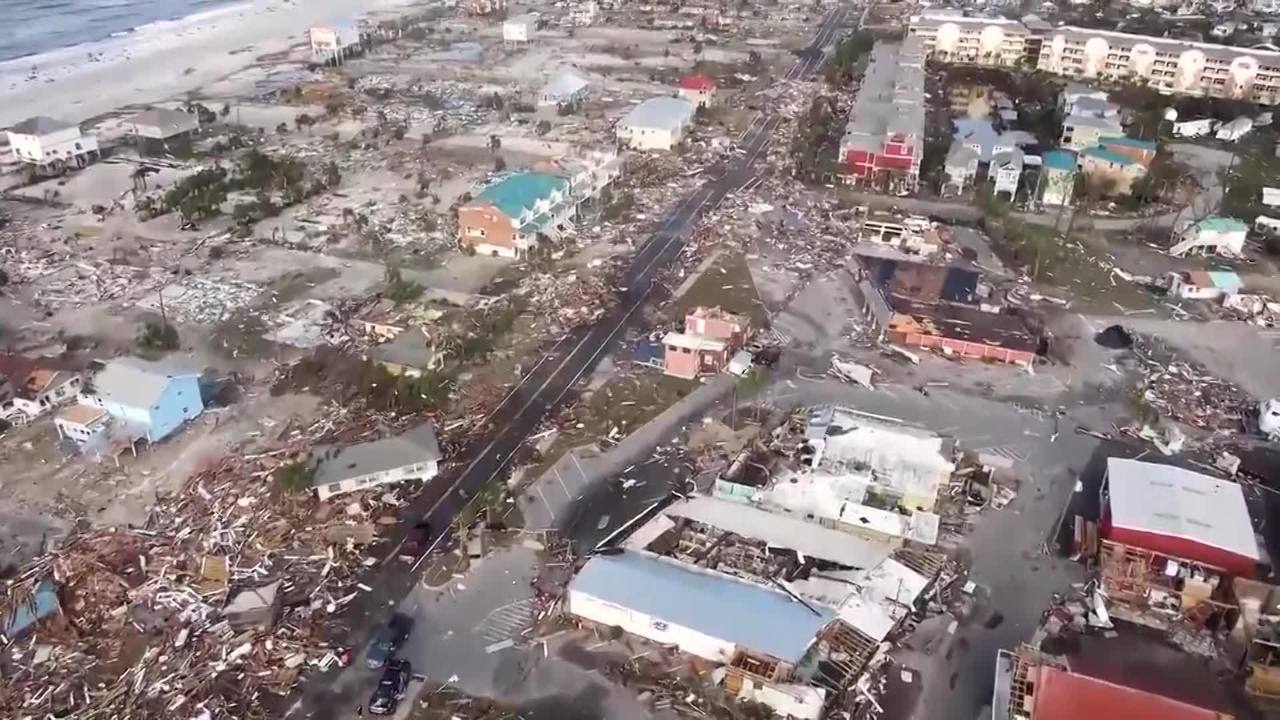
[[165, 59]]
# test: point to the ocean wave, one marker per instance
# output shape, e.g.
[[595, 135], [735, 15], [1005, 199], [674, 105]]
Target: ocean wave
[[49, 32]]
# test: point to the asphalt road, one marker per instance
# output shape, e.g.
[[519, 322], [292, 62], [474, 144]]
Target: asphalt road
[[519, 414]]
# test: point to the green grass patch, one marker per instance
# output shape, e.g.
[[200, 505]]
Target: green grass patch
[[727, 284]]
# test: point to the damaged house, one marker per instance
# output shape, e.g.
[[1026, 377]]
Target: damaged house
[[150, 400], [411, 455], [858, 475], [711, 336], [936, 306]]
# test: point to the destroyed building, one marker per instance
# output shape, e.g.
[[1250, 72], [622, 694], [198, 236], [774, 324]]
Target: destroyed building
[[939, 307], [793, 630], [856, 474], [1031, 685], [411, 455], [31, 387], [710, 338]]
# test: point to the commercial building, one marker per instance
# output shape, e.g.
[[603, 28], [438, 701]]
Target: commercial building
[[656, 124], [411, 455], [151, 400], [1179, 513], [740, 587], [937, 306], [883, 142], [1163, 64], [506, 217], [51, 146], [1030, 685]]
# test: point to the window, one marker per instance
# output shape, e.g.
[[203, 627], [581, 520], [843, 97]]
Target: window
[[78, 146]]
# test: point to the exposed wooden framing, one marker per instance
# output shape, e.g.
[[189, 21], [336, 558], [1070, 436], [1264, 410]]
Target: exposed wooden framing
[[927, 563]]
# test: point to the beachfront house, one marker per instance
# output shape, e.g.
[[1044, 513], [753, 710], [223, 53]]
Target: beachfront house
[[51, 146], [161, 126], [335, 42], [698, 89]]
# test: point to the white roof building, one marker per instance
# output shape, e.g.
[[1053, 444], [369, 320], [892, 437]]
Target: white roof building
[[656, 124], [566, 87], [1179, 512]]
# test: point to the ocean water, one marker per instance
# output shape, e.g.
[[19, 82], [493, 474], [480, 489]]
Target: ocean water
[[33, 27]]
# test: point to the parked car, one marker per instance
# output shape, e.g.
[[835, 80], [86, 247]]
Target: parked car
[[392, 687], [416, 542], [384, 645]]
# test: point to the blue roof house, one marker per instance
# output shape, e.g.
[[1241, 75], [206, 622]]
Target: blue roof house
[[506, 217], [150, 400]]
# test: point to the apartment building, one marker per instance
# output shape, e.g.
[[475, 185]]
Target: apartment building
[[884, 139], [981, 41], [1168, 65]]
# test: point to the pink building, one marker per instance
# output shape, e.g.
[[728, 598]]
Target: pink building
[[711, 336]]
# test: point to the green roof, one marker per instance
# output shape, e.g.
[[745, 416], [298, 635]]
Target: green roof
[[1223, 224], [1060, 160], [516, 194], [1109, 155], [1128, 142]]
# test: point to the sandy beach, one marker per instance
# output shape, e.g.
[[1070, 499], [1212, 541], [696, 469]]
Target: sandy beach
[[164, 60]]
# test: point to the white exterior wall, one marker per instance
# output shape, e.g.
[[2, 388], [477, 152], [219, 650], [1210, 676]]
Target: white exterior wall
[[422, 470], [645, 138], [1006, 179], [60, 145], [80, 433], [699, 98], [1166, 65], [519, 30], [693, 642]]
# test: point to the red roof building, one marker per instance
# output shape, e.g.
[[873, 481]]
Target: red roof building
[[1181, 514], [1063, 695], [700, 83]]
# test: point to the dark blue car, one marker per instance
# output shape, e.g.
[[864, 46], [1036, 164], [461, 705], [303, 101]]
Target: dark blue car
[[390, 637]]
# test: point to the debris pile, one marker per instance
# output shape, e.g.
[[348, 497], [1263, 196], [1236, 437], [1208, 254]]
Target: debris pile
[[567, 301], [216, 606], [1187, 392]]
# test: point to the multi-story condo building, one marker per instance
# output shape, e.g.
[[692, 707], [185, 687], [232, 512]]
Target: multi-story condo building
[[884, 139], [1168, 65]]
